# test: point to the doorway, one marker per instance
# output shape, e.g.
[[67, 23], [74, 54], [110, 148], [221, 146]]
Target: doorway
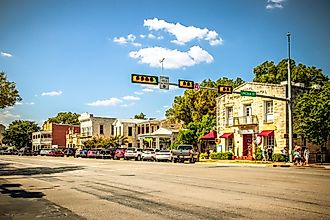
[[247, 140]]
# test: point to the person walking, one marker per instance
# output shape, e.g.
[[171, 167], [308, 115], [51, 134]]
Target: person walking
[[306, 155], [284, 154]]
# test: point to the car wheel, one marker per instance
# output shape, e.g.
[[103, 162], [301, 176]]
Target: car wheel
[[173, 160]]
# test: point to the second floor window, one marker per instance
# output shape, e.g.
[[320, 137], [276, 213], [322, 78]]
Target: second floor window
[[247, 110], [269, 112], [130, 131], [101, 129], [229, 118]]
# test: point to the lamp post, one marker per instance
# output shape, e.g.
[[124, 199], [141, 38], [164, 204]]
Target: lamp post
[[162, 62], [289, 101]]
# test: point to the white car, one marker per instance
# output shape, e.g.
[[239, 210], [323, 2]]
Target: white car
[[163, 155], [133, 153], [148, 154]]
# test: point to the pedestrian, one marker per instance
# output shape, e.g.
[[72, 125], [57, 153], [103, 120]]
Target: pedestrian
[[264, 153], [306, 155], [270, 153], [284, 154], [297, 156]]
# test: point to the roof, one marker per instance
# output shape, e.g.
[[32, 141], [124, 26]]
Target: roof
[[209, 136], [162, 132], [129, 120]]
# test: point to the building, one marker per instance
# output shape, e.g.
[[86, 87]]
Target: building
[[158, 134], [91, 126], [51, 135], [73, 138], [128, 128], [255, 121], [2, 130]]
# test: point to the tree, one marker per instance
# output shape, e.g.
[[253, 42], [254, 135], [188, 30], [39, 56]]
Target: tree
[[65, 118], [8, 93], [100, 142], [192, 106], [312, 113], [268, 72], [19, 133], [140, 116]]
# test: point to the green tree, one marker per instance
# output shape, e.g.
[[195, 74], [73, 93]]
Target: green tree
[[100, 142], [19, 133], [8, 93], [192, 106], [65, 118], [312, 113], [140, 116], [268, 72]]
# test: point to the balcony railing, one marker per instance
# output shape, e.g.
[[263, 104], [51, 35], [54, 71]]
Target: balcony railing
[[246, 120]]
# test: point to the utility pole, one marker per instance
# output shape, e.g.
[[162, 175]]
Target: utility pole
[[290, 140]]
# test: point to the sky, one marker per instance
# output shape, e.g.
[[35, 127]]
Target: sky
[[78, 55]]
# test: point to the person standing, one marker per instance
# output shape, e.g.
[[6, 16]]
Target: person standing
[[306, 155], [270, 153], [284, 154]]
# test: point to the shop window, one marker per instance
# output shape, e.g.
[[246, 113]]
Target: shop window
[[269, 111], [101, 130], [130, 131]]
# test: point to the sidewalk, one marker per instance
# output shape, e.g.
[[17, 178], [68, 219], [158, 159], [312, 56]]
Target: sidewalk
[[248, 163]]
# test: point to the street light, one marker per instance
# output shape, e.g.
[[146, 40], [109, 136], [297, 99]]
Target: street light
[[162, 62], [289, 101]]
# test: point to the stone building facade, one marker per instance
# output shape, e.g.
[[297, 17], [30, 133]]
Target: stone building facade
[[244, 122], [91, 126], [2, 130]]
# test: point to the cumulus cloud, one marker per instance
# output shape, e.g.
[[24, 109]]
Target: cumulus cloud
[[138, 93], [5, 54], [147, 90], [175, 59], [106, 102], [184, 34], [272, 4], [131, 98], [6, 117], [52, 93], [130, 39]]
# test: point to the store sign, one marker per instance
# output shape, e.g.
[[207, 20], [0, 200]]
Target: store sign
[[250, 131]]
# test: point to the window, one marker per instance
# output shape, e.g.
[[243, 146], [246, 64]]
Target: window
[[147, 129], [230, 144], [142, 130], [270, 141], [101, 129], [248, 114], [229, 115], [138, 130], [112, 130], [269, 111], [129, 144], [130, 131], [119, 132]]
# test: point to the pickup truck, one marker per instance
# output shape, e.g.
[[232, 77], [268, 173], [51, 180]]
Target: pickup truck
[[184, 152]]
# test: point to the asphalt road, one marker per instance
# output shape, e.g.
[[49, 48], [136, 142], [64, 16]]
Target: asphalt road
[[70, 188]]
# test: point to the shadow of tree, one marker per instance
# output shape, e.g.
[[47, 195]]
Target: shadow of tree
[[18, 193], [28, 171]]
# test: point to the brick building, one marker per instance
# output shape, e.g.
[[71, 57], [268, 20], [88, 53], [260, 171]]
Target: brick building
[[51, 135]]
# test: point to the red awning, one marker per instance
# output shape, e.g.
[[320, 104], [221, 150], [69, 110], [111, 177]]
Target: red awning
[[266, 133], [212, 135], [227, 135]]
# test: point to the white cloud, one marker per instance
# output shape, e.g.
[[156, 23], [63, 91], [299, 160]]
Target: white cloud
[[174, 59], [132, 98], [183, 33], [29, 103], [6, 117], [106, 102], [130, 39], [142, 36], [151, 36], [165, 106], [25, 103], [272, 4], [52, 93], [147, 90], [4, 54], [138, 93]]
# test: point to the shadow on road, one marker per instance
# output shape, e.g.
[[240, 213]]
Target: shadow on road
[[15, 191], [6, 170]]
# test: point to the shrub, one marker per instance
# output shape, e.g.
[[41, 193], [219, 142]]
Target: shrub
[[213, 155], [224, 155], [203, 156], [278, 158], [258, 153]]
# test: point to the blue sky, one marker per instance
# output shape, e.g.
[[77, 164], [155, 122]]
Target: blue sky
[[78, 56]]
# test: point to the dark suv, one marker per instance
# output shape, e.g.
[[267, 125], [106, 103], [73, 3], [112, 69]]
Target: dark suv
[[69, 152]]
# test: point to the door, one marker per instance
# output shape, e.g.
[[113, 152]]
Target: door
[[247, 140], [248, 113]]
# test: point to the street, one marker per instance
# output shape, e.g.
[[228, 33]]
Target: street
[[72, 188]]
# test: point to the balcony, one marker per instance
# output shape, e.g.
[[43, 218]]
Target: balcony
[[246, 120], [86, 134]]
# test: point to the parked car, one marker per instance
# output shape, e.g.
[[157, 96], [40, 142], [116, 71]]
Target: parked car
[[10, 151], [184, 152], [69, 152], [148, 154], [133, 153], [55, 153], [81, 153], [91, 153], [163, 155], [25, 151], [104, 154], [44, 152], [119, 153]]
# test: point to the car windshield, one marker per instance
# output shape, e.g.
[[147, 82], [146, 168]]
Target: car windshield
[[130, 149], [164, 151], [148, 150]]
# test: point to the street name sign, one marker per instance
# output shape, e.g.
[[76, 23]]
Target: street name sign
[[248, 93]]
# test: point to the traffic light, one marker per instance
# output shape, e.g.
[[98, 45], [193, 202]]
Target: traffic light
[[225, 89], [186, 84], [137, 78]]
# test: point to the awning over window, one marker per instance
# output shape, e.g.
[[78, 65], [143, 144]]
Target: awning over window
[[227, 135], [210, 136], [266, 133]]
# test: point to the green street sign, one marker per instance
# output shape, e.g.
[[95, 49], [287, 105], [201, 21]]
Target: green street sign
[[248, 93]]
